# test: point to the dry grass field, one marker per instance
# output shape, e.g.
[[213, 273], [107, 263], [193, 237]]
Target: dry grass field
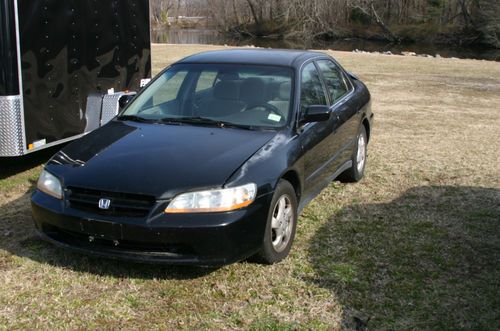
[[415, 245]]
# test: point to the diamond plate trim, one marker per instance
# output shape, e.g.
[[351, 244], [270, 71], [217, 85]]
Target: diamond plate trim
[[93, 111], [11, 126], [110, 107]]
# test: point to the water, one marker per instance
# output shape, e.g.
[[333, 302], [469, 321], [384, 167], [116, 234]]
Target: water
[[213, 37]]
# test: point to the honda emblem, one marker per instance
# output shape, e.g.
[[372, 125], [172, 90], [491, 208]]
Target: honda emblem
[[104, 204]]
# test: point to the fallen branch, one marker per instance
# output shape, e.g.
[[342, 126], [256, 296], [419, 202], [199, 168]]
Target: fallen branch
[[373, 15]]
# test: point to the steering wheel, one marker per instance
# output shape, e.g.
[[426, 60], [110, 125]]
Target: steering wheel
[[270, 108]]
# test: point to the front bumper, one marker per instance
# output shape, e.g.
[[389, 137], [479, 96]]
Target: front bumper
[[208, 239]]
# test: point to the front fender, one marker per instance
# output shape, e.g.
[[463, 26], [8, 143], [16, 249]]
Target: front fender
[[268, 164]]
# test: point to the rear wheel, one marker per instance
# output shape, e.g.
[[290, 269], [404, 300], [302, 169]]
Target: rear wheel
[[281, 224], [356, 172]]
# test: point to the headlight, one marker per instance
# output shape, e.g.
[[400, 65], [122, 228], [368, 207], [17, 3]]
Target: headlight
[[213, 200], [49, 184]]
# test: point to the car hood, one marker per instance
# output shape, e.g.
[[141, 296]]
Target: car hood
[[155, 159]]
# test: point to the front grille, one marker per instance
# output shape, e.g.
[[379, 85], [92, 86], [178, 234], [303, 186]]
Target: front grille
[[122, 204]]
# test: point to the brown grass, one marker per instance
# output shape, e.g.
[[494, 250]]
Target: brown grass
[[415, 245]]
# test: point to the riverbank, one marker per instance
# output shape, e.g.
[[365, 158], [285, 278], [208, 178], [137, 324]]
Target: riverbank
[[214, 37], [415, 245], [168, 53]]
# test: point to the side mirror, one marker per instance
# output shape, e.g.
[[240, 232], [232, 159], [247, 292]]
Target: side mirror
[[125, 99], [317, 113]]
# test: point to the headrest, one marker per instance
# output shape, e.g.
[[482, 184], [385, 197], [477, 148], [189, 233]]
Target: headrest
[[285, 91], [228, 76], [253, 90], [227, 89]]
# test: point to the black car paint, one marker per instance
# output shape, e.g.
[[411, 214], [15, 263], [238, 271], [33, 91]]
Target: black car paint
[[317, 152], [202, 239], [135, 151], [132, 157]]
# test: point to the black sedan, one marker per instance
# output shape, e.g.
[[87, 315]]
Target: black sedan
[[211, 163]]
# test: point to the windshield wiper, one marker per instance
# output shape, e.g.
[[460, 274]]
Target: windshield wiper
[[207, 121], [135, 118]]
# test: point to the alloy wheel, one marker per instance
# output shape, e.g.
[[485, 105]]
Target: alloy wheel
[[282, 223], [361, 155]]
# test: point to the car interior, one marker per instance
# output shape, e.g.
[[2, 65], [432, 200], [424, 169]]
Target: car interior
[[228, 97]]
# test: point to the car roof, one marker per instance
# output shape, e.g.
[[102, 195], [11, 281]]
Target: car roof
[[260, 56]]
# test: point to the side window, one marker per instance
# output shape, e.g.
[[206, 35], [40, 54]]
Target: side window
[[169, 88], [334, 79], [311, 88], [206, 80]]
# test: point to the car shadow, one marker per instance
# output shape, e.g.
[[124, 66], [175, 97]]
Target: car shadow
[[10, 166], [429, 260], [18, 237]]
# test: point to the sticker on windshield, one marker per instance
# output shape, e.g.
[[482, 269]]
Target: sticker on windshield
[[274, 117]]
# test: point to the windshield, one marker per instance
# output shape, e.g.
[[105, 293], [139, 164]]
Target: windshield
[[240, 95]]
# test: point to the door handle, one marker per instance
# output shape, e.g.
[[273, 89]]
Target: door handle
[[335, 124]]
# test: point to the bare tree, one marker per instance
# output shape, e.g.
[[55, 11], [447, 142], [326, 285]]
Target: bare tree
[[160, 10], [331, 18]]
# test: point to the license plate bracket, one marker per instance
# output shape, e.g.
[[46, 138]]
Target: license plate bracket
[[102, 229]]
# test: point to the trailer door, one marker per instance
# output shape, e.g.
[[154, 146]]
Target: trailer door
[[72, 48]]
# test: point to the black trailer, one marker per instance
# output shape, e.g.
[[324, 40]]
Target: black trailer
[[61, 62]]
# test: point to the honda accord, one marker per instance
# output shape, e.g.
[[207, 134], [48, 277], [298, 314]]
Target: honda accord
[[211, 163]]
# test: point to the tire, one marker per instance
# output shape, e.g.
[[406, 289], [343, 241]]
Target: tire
[[273, 248], [356, 172]]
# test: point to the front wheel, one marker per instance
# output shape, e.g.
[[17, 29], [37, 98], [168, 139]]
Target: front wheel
[[281, 224], [356, 172]]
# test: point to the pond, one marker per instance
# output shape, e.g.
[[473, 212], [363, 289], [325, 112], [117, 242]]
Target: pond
[[213, 37]]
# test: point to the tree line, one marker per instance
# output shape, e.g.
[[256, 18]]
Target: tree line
[[453, 21]]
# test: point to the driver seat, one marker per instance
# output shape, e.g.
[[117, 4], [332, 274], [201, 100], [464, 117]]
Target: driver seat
[[225, 100], [282, 102], [252, 92]]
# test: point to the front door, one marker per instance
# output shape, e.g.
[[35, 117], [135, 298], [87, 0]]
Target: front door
[[344, 112], [314, 136]]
